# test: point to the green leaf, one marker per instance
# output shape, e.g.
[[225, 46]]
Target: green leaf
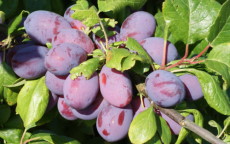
[[32, 101], [133, 45], [190, 20], [19, 82], [182, 135], [213, 94], [155, 140], [15, 122], [116, 6], [86, 68], [219, 61], [4, 113], [143, 127], [7, 78], [227, 125], [2, 17], [115, 56], [215, 125], [163, 130], [54, 139], [9, 7], [219, 32], [130, 61], [14, 25], [87, 15], [13, 136], [197, 48]]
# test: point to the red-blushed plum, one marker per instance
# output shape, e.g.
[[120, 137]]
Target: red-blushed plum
[[53, 99], [81, 92], [192, 87], [63, 57], [154, 47], [138, 107], [42, 25], [11, 52], [175, 127], [28, 63], [74, 36], [75, 24], [138, 25], [113, 122], [115, 86], [164, 88], [55, 83], [91, 112], [65, 110]]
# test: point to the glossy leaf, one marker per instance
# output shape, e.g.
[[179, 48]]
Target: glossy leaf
[[218, 60], [86, 14], [133, 45], [219, 32], [86, 68], [13, 136], [190, 20], [54, 139], [213, 93], [32, 101], [143, 127], [164, 130], [7, 78]]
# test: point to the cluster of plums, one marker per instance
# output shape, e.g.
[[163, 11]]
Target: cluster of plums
[[108, 95]]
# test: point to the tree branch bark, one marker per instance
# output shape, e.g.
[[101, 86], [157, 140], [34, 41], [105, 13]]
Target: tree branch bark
[[186, 123]]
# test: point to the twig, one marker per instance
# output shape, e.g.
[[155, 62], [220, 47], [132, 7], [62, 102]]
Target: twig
[[23, 135], [186, 123], [32, 139]]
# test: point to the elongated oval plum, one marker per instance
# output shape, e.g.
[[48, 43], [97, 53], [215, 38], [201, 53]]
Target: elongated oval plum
[[74, 36], [164, 88], [81, 92], [42, 25], [115, 86], [55, 83], [28, 62], [65, 110], [92, 111], [75, 24], [138, 25], [192, 87], [154, 47], [63, 57], [113, 122]]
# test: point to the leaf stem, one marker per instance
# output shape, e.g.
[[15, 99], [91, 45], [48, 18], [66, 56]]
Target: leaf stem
[[32, 139], [181, 60], [105, 34], [222, 132], [23, 135], [201, 53]]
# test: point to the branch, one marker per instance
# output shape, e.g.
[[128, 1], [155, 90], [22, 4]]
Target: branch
[[186, 123]]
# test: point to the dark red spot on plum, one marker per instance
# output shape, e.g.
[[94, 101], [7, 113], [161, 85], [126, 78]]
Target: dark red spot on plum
[[168, 93], [142, 42], [105, 132], [125, 24], [66, 109], [68, 51], [157, 75], [161, 84], [56, 23], [121, 118], [74, 26], [132, 34], [99, 122], [68, 12], [103, 78]]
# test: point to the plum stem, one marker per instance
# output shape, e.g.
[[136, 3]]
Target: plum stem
[[178, 118], [164, 54], [181, 60], [105, 34], [32, 139], [23, 135], [201, 53]]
